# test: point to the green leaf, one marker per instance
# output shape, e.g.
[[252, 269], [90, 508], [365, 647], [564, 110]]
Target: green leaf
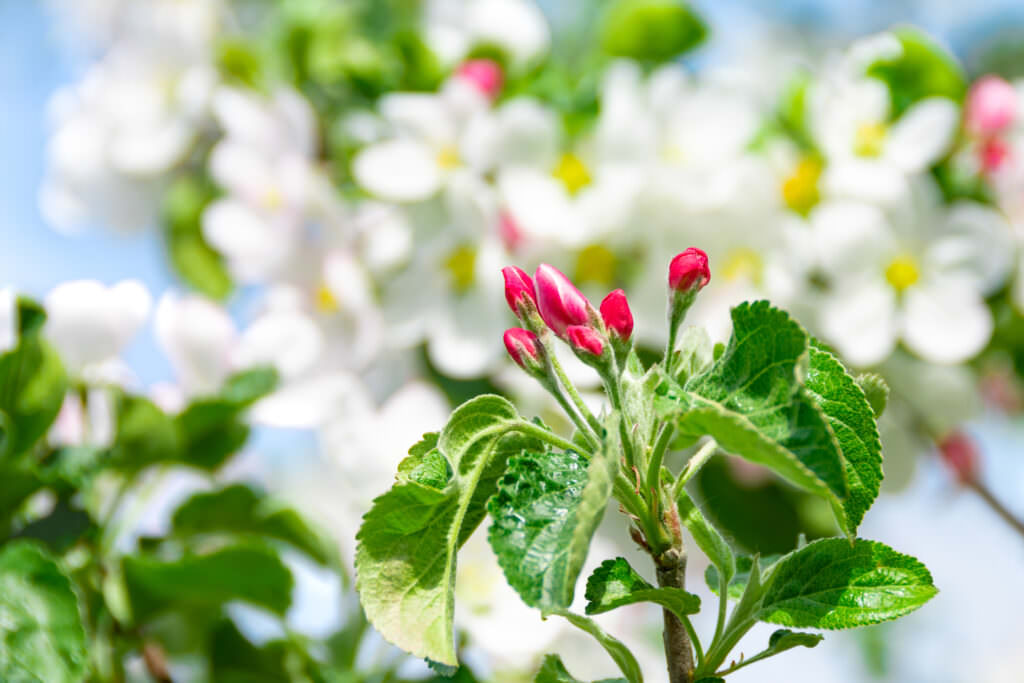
[[784, 639], [145, 435], [875, 390], [738, 583], [619, 653], [922, 69], [19, 483], [614, 584], [552, 670], [638, 387], [833, 584], [32, 388], [405, 559], [651, 30], [707, 537], [212, 428], [546, 510], [249, 573], [751, 402], [239, 509], [193, 259], [234, 659], [852, 420], [694, 354], [41, 635]]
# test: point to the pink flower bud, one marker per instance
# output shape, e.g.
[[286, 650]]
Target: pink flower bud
[[509, 231], [991, 106], [960, 454], [583, 338], [518, 288], [689, 271], [616, 314], [992, 154], [558, 300], [525, 349], [483, 74]]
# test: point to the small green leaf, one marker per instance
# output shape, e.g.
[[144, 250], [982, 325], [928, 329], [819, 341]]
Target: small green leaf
[[751, 402], [876, 390], [405, 559], [194, 260], [240, 509], [651, 30], [637, 396], [831, 584], [554, 671], [32, 388], [694, 354], [145, 435], [619, 653], [546, 510], [922, 69], [41, 635], [708, 538], [20, 481], [615, 583], [784, 639], [249, 573], [738, 583], [853, 422]]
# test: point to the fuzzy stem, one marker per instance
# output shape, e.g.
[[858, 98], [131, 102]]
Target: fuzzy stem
[[570, 389], [678, 648]]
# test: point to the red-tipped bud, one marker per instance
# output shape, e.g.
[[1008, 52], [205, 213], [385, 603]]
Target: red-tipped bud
[[525, 349], [558, 300], [616, 315], [689, 271], [993, 153], [518, 288], [991, 106], [960, 454], [586, 339], [483, 74]]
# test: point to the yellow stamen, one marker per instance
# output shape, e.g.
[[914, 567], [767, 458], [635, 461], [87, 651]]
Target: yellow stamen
[[743, 263], [272, 199], [461, 265], [325, 301], [869, 139], [800, 189], [595, 263], [572, 172], [902, 272], [448, 157]]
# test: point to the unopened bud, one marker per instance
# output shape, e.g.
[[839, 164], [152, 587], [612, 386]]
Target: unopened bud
[[526, 350], [519, 290], [960, 453], [689, 271], [560, 303], [991, 106], [616, 315], [585, 339], [483, 74]]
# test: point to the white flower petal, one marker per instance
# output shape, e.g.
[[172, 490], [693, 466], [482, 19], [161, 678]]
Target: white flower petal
[[946, 321], [870, 181], [288, 340], [198, 337], [255, 245], [517, 26], [305, 404], [423, 116], [398, 170], [923, 134], [861, 323], [977, 243], [541, 206]]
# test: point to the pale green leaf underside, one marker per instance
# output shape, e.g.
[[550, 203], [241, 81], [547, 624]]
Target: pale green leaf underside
[[751, 402], [831, 584], [738, 583], [546, 510], [619, 653], [41, 633], [615, 584], [554, 671], [707, 537], [852, 420], [784, 639], [405, 560]]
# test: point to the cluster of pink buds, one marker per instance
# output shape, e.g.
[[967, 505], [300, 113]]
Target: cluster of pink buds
[[550, 302], [989, 113]]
